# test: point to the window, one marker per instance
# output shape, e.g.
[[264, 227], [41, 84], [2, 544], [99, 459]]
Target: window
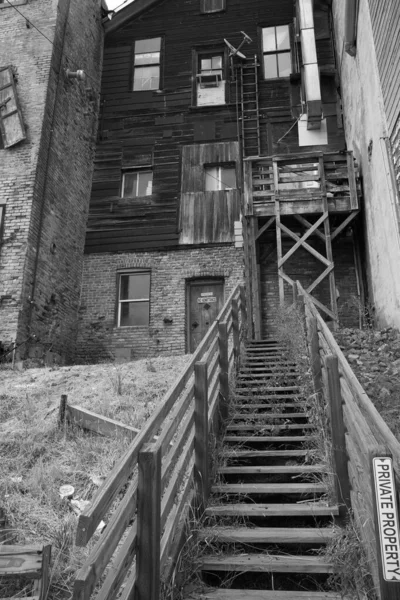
[[276, 52], [133, 299], [212, 6], [210, 83], [12, 128], [147, 62], [137, 183], [220, 177]]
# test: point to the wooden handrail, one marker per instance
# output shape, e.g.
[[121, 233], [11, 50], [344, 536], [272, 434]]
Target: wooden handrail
[[183, 422]]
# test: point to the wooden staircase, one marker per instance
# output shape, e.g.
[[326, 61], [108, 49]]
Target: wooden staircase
[[268, 516]]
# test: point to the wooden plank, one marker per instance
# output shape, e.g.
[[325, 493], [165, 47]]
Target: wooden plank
[[236, 332], [274, 469], [312, 509], [320, 277], [301, 240], [305, 245], [278, 233], [342, 226], [21, 560], [182, 468], [224, 369], [268, 535], [244, 594], [315, 359], [269, 488], [98, 423], [148, 525], [265, 227], [341, 477], [201, 473], [268, 427], [248, 188], [328, 243], [267, 563], [307, 224], [121, 564]]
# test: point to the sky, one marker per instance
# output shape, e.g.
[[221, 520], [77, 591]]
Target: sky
[[114, 3]]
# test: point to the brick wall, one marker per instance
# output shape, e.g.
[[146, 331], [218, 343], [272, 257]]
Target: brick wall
[[98, 336], [48, 181], [304, 267]]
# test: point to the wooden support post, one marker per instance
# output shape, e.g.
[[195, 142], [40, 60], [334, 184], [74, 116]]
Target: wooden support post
[[295, 294], [235, 333], [255, 279], [328, 242], [315, 358], [248, 276], [386, 523], [243, 312], [148, 524], [62, 413], [201, 435], [223, 369], [342, 483], [278, 234], [301, 307]]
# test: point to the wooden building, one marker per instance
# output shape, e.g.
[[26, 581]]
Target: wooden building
[[221, 155]]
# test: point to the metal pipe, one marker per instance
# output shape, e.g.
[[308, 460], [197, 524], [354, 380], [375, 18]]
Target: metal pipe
[[350, 27]]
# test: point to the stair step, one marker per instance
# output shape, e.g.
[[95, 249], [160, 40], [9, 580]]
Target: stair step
[[267, 563], [311, 509], [285, 388], [266, 416], [228, 453], [265, 369], [268, 439], [272, 470], [266, 427], [280, 406], [231, 594], [264, 348], [269, 488], [262, 377], [268, 535], [247, 398]]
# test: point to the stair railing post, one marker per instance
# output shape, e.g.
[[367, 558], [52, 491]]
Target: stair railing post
[[386, 521], [339, 452], [243, 313], [301, 307], [148, 524], [201, 435], [235, 333], [314, 353], [223, 369]]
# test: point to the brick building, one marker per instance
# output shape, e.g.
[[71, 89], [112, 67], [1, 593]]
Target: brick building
[[200, 143], [48, 124]]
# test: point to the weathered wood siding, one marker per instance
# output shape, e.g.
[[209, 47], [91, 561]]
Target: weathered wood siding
[[150, 127], [385, 18]]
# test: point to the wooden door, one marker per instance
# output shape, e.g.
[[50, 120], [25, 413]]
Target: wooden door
[[205, 300]]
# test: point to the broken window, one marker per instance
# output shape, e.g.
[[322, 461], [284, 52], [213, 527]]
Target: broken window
[[211, 6], [210, 78], [133, 299], [277, 60], [11, 124], [220, 177], [147, 65], [137, 183]]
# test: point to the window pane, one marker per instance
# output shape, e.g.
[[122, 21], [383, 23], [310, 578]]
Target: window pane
[[228, 177], [144, 46], [134, 314], [270, 68], [212, 179], [135, 286], [206, 64], [147, 59], [284, 64], [130, 185], [216, 62], [145, 184], [269, 44], [146, 78], [282, 37]]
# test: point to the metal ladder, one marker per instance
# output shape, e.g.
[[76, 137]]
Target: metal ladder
[[250, 107]]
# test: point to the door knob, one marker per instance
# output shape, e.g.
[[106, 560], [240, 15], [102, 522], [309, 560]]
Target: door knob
[[194, 325]]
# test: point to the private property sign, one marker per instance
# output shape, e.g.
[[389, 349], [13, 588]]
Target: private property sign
[[388, 520]]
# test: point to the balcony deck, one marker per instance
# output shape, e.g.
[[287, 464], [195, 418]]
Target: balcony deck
[[299, 182]]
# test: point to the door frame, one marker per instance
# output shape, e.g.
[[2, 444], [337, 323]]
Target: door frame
[[192, 282]]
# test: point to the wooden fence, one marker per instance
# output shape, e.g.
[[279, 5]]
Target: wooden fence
[[163, 478], [358, 434]]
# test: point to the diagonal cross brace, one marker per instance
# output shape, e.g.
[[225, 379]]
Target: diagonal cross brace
[[301, 242]]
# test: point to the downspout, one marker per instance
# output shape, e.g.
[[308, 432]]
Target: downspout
[[350, 27]]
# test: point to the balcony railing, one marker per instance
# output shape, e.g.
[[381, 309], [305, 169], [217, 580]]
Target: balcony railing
[[299, 182]]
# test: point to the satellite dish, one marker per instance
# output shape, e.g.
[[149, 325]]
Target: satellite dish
[[233, 50]]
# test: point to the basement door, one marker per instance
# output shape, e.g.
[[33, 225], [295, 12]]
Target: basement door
[[205, 300]]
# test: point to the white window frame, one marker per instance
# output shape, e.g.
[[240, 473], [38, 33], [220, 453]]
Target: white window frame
[[205, 6], [137, 171], [276, 53], [129, 300], [219, 176], [136, 67]]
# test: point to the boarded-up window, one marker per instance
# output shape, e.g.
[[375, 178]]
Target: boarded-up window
[[211, 6], [11, 123]]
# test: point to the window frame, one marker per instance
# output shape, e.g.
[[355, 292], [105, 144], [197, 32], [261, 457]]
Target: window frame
[[222, 165], [276, 52], [119, 302], [137, 170], [197, 54], [160, 65], [204, 11]]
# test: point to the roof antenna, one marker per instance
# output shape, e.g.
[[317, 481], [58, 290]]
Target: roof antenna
[[236, 51]]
